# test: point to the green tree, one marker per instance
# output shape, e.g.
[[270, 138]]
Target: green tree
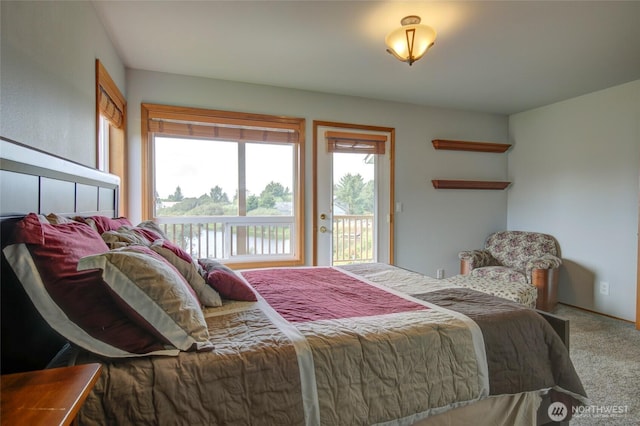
[[286, 196], [348, 193], [367, 197], [181, 208], [218, 196], [275, 189], [253, 202], [267, 200], [176, 196]]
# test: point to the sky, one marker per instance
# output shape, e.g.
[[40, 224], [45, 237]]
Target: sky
[[199, 165]]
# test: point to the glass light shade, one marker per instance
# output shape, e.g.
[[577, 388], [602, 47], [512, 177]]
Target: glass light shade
[[399, 41]]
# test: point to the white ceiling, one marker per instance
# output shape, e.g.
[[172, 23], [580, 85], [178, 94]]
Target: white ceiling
[[494, 56]]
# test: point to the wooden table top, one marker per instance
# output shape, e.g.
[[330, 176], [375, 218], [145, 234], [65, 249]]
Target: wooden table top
[[46, 397]]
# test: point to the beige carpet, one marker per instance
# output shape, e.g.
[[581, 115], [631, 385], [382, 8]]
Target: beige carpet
[[606, 355]]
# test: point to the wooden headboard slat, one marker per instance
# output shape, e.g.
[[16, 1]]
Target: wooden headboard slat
[[35, 181]]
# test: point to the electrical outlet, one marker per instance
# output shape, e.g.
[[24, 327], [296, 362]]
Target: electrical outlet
[[440, 274], [604, 288]]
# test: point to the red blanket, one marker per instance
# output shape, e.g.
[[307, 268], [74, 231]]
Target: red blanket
[[311, 294]]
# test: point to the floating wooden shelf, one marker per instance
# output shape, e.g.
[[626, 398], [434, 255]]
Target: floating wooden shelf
[[469, 146], [468, 184]]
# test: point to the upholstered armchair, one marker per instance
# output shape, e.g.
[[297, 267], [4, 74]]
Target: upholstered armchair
[[526, 257]]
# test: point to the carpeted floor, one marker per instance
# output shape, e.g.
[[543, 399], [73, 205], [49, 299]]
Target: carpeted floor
[[606, 355]]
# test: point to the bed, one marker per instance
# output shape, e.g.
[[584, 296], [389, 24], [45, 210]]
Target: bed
[[359, 344]]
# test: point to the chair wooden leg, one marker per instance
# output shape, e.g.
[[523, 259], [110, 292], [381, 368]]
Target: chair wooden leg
[[465, 267], [546, 280]]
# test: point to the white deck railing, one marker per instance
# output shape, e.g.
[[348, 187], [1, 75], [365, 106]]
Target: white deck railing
[[352, 239], [227, 237]]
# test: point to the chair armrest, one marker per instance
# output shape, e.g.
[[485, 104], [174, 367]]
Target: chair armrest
[[543, 273], [547, 261], [472, 259]]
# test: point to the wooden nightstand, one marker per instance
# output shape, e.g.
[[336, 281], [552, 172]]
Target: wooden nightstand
[[46, 397]]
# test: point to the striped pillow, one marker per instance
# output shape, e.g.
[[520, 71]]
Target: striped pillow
[[145, 283]]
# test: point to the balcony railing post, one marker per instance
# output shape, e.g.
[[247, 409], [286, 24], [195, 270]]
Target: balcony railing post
[[352, 239], [228, 244], [222, 237]]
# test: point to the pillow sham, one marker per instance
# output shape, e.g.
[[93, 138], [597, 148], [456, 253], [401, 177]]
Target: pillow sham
[[189, 269], [226, 282], [103, 224], [56, 219], [156, 291], [123, 237], [78, 305], [130, 235], [212, 265], [151, 225], [146, 233], [147, 251]]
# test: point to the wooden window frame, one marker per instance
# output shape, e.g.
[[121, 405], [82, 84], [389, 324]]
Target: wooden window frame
[[111, 104], [176, 121]]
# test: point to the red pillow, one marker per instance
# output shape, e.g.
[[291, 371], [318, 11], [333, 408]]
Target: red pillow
[[103, 223], [230, 286], [177, 250], [146, 233], [90, 318]]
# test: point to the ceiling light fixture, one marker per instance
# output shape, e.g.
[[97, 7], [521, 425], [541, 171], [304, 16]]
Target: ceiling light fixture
[[411, 41]]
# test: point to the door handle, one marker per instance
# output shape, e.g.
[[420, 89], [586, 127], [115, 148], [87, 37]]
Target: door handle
[[323, 216], [323, 229]]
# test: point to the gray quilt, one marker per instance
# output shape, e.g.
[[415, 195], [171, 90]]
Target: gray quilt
[[523, 352]]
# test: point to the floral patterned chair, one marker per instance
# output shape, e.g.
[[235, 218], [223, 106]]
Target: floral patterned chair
[[526, 257]]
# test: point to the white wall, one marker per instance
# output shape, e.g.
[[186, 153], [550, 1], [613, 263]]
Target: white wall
[[434, 224], [47, 75], [575, 167]]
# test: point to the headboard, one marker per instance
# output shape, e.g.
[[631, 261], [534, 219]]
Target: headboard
[[35, 181]]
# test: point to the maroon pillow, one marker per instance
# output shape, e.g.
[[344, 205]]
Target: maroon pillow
[[146, 233], [103, 223], [177, 250], [230, 286], [226, 282], [91, 318]]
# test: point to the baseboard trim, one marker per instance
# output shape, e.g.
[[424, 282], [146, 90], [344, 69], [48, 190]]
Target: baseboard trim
[[596, 312]]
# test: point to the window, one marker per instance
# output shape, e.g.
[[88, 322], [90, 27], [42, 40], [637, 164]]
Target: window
[[226, 185], [103, 143], [111, 147]]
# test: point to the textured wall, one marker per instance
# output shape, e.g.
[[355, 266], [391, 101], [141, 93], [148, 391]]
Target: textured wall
[[47, 69], [575, 165]]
